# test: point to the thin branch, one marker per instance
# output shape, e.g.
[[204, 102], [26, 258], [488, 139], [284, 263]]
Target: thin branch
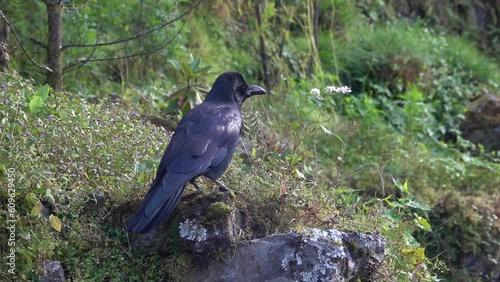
[[83, 62], [21, 44], [38, 42], [137, 36], [79, 62]]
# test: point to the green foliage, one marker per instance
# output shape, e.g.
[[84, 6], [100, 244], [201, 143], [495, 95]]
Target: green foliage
[[406, 255], [475, 21], [404, 146], [62, 155], [191, 94], [36, 102], [324, 160], [467, 226], [413, 60], [94, 22]]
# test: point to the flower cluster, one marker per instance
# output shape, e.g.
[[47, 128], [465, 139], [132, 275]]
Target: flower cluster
[[342, 90], [331, 89]]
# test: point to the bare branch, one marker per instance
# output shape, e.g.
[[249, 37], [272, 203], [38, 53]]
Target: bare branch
[[38, 42], [137, 36], [83, 62], [80, 62], [21, 44]]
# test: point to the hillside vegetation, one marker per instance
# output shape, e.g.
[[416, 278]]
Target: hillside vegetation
[[386, 158]]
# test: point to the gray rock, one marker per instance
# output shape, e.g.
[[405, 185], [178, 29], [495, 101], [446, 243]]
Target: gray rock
[[205, 226], [482, 122], [54, 272], [208, 228], [309, 255]]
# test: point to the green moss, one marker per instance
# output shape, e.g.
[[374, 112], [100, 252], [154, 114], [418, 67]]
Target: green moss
[[216, 212]]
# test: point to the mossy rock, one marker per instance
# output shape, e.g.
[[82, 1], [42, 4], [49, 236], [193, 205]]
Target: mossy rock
[[216, 212]]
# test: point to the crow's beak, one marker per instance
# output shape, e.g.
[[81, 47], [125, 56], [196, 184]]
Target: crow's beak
[[256, 90]]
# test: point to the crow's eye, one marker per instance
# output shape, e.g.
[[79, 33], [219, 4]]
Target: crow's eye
[[244, 87]]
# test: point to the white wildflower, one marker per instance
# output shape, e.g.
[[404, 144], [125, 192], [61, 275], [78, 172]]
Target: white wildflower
[[315, 91], [342, 90]]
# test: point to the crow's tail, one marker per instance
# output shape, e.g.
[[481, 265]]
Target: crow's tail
[[159, 203]]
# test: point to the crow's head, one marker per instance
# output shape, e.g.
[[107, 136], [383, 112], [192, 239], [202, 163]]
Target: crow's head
[[231, 87]]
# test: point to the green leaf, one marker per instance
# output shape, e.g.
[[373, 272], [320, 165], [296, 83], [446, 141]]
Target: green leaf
[[36, 104], [253, 153], [193, 98], [172, 106], [402, 187], [195, 63], [416, 255], [299, 174], [395, 204], [186, 70], [37, 209], [175, 64], [339, 138], [269, 11], [203, 70], [185, 108], [422, 223], [418, 205], [43, 91], [409, 239], [55, 222], [393, 215], [293, 159], [26, 95], [405, 186], [420, 254], [48, 193], [179, 93]]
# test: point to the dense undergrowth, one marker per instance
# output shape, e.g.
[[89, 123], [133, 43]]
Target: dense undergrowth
[[374, 160], [66, 154]]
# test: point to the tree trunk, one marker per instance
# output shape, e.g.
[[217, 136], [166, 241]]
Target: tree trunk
[[262, 48], [4, 42], [314, 58], [54, 54]]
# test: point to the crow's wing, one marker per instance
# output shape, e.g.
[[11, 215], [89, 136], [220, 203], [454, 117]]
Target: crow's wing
[[202, 139]]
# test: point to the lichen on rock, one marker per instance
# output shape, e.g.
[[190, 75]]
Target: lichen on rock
[[192, 230]]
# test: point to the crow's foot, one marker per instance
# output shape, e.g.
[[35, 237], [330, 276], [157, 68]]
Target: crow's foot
[[224, 188], [199, 189]]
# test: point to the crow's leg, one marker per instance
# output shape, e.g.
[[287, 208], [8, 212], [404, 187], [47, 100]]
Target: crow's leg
[[223, 187], [199, 190]]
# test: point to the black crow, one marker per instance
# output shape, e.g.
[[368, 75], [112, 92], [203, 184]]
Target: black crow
[[203, 144]]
